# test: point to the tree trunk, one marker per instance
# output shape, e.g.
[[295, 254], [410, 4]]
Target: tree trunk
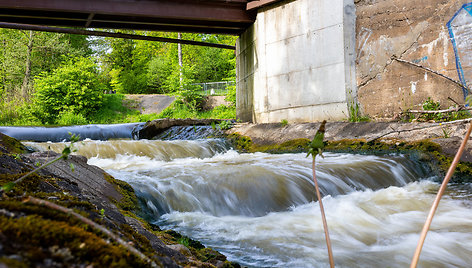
[[25, 87], [3, 86], [179, 46]]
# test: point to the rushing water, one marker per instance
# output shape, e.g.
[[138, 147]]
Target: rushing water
[[259, 209]]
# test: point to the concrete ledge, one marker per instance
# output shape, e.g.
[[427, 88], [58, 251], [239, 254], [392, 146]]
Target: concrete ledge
[[275, 133]]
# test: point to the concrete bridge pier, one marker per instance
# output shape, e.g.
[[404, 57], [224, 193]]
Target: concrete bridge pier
[[297, 62]]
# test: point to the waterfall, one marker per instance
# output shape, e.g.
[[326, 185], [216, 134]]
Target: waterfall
[[260, 209]]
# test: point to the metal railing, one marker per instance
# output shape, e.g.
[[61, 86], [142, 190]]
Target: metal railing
[[214, 88]]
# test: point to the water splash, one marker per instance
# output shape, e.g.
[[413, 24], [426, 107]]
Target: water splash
[[259, 209], [118, 151], [368, 229], [252, 184]]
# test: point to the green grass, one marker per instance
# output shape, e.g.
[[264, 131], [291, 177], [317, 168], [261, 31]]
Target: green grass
[[112, 111], [180, 110]]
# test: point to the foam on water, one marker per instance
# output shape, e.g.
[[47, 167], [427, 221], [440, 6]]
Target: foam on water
[[260, 209]]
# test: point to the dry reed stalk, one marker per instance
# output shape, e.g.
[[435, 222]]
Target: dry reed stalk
[[323, 217], [440, 193]]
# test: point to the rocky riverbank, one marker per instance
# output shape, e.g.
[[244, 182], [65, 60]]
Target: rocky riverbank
[[34, 235]]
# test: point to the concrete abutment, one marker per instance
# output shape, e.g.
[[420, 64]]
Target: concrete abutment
[[297, 62], [305, 61]]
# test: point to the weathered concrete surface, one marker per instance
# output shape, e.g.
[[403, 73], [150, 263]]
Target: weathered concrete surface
[[305, 61], [275, 133], [411, 30], [297, 62], [148, 103]]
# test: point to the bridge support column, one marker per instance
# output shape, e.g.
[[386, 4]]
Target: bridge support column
[[297, 62]]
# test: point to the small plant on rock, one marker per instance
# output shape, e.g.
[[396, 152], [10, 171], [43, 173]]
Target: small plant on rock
[[225, 125]]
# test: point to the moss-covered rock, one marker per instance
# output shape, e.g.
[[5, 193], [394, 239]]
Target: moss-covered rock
[[10, 145], [128, 201], [38, 236]]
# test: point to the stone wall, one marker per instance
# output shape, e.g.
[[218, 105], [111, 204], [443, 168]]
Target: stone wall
[[415, 31]]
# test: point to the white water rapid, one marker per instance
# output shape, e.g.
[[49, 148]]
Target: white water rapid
[[259, 209]]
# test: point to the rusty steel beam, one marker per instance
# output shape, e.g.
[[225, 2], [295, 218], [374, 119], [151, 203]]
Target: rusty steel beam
[[233, 11], [116, 24], [109, 34], [252, 5], [80, 20]]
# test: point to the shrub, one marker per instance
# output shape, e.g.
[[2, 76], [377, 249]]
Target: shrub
[[231, 95], [69, 118], [192, 99], [224, 125], [74, 87]]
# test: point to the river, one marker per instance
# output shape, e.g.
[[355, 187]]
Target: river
[[259, 209]]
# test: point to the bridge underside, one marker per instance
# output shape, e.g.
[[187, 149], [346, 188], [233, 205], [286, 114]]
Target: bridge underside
[[205, 16]]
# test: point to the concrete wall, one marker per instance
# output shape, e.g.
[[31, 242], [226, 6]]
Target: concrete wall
[[416, 31], [297, 62]]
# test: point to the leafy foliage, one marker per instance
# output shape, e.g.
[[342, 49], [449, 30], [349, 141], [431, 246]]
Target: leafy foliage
[[137, 67], [355, 113], [431, 105], [74, 88], [225, 125], [68, 73], [192, 99]]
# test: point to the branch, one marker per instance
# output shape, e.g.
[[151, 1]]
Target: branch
[[419, 128], [434, 72], [64, 155], [91, 223], [7, 187], [457, 109]]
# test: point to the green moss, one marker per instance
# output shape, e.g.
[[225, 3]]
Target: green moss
[[292, 146], [184, 240], [426, 151], [198, 250], [142, 241], [244, 144], [129, 201], [11, 145], [28, 185], [12, 263], [240, 142], [40, 236]]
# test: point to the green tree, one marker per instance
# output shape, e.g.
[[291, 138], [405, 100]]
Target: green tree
[[127, 63], [74, 88], [25, 54], [153, 67]]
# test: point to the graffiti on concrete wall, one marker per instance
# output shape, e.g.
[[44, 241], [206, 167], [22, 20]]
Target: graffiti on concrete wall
[[460, 31]]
